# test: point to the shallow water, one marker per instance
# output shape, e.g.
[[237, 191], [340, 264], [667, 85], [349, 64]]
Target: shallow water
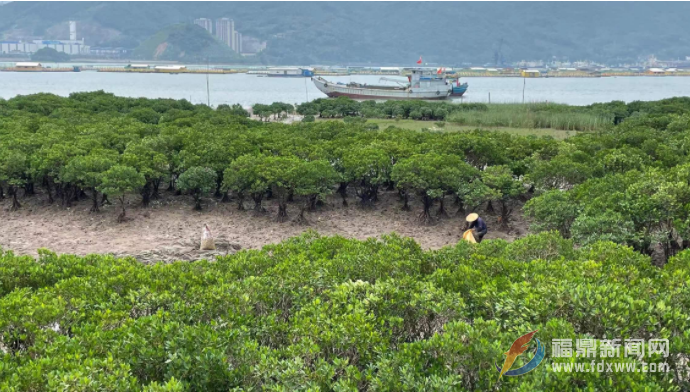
[[250, 89]]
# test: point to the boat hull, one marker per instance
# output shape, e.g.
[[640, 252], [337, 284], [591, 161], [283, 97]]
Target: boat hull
[[458, 91], [362, 93]]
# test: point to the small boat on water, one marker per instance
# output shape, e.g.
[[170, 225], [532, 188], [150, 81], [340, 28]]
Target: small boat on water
[[422, 84], [459, 89]]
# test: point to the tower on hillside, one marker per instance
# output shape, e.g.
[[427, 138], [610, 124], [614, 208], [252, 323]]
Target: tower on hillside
[[72, 30]]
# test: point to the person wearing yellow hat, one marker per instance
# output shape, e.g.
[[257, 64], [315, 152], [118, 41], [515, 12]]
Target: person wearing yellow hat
[[477, 225]]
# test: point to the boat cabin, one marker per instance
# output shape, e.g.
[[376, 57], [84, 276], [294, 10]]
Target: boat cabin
[[426, 79]]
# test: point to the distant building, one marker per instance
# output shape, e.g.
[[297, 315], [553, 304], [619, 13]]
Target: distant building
[[108, 52], [237, 42], [72, 30], [71, 47], [28, 66], [225, 31], [207, 24], [530, 73]]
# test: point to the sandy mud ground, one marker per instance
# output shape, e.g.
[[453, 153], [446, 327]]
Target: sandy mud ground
[[169, 228]]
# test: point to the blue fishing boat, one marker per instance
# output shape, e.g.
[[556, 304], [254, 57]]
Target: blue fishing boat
[[459, 89]]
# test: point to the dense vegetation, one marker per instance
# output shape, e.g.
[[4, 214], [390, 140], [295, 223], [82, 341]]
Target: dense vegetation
[[334, 314], [533, 115], [331, 313], [377, 32], [50, 54], [627, 183]]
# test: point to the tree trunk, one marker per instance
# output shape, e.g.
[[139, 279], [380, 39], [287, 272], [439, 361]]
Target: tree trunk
[[406, 200], [312, 202], [2, 194], [425, 216], [240, 201], [155, 194], [29, 189], [442, 213], [505, 213], [219, 185], [59, 190], [461, 206], [68, 192], [375, 193], [94, 197], [121, 217], [197, 200], [258, 197], [104, 200], [342, 191], [301, 219], [49, 191], [146, 194], [291, 196], [489, 207], [282, 210], [15, 203]]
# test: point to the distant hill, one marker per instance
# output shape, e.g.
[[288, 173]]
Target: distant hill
[[185, 42], [386, 33]]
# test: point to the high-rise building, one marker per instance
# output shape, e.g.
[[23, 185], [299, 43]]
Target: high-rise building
[[72, 30], [207, 24], [225, 31], [237, 42]]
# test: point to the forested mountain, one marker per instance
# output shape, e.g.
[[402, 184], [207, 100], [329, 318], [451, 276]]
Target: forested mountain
[[378, 32]]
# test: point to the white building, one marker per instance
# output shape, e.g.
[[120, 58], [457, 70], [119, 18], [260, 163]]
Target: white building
[[225, 31], [207, 24]]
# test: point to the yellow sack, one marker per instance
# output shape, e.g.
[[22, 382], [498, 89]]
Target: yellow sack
[[469, 237]]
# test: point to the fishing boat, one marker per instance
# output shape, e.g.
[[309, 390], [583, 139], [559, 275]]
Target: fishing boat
[[422, 84], [459, 89]]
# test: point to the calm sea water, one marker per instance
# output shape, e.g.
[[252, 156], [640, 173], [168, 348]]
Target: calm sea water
[[250, 89]]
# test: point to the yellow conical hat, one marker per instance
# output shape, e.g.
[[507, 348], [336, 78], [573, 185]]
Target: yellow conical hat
[[472, 217]]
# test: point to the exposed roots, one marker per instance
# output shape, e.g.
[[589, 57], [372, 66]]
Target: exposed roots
[[441, 213], [301, 219], [282, 213]]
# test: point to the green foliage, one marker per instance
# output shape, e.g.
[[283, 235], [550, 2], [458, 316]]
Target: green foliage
[[329, 313], [554, 210], [537, 115], [505, 188], [50, 55], [432, 176], [120, 180], [236, 110], [628, 183], [198, 181]]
